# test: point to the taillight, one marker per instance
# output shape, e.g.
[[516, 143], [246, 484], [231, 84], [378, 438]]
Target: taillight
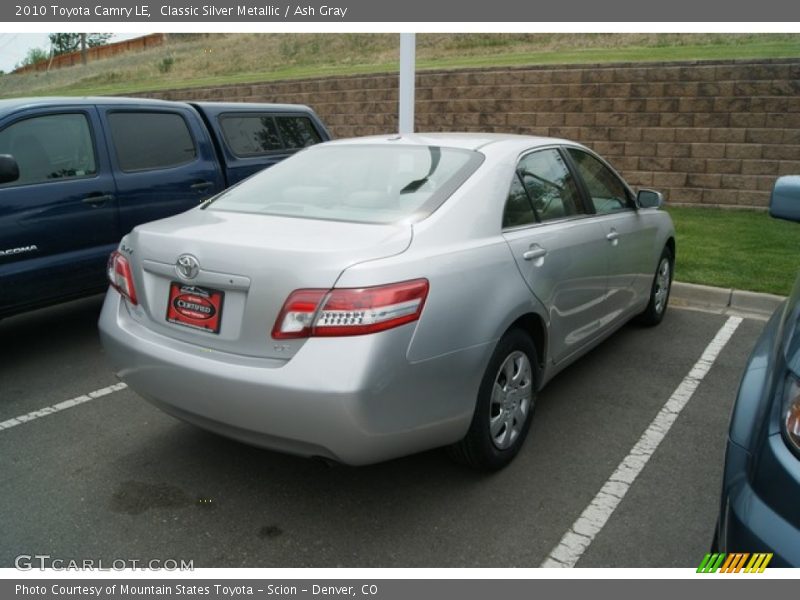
[[120, 276], [294, 320], [350, 311]]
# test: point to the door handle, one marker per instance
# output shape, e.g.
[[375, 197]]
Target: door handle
[[534, 252], [612, 235], [98, 199], [202, 185]]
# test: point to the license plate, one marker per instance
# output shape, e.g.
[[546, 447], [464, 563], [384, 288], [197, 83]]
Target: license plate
[[195, 307]]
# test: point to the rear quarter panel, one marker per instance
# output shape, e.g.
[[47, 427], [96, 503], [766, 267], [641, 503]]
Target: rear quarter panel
[[476, 290], [476, 293]]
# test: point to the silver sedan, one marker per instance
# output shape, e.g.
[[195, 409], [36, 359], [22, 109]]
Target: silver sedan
[[375, 297]]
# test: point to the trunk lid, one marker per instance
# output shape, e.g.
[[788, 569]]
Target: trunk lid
[[255, 261]]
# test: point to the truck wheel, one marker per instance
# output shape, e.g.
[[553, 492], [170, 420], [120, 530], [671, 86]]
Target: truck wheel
[[505, 405]]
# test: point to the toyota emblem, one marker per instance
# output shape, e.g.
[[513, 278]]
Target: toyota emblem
[[187, 266]]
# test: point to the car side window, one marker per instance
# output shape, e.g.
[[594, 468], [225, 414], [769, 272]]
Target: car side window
[[150, 140], [549, 185], [518, 210], [50, 147], [607, 192]]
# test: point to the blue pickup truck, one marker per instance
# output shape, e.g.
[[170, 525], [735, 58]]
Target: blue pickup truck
[[76, 174]]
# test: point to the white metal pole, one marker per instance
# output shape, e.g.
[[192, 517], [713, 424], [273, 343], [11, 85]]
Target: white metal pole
[[408, 45]]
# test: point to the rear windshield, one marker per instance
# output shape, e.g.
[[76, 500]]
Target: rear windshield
[[364, 183]]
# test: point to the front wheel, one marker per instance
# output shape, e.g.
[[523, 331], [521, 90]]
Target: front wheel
[[505, 405], [659, 292]]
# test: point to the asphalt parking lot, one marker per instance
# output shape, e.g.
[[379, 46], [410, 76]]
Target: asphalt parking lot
[[114, 478]]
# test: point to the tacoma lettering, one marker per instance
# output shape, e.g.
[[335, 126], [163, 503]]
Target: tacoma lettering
[[20, 250]]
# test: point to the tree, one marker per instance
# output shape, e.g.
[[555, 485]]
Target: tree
[[33, 56], [64, 43]]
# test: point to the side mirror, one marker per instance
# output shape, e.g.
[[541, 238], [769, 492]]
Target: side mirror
[[9, 170], [785, 200], [649, 199]]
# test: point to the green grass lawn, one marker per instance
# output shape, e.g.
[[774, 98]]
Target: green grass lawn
[[217, 59], [780, 49], [746, 250]]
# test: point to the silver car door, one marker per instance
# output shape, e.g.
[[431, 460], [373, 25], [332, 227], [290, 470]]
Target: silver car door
[[627, 233], [558, 248]]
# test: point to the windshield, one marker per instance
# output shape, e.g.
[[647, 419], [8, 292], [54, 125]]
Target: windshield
[[363, 183]]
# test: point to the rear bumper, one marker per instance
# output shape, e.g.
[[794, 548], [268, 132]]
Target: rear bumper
[[357, 400]]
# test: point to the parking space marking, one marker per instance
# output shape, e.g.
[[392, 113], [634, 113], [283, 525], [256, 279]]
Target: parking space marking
[[583, 531], [49, 410]]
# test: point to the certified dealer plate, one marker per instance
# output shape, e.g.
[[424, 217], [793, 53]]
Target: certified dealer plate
[[195, 307]]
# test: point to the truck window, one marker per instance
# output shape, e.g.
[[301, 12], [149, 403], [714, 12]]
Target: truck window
[[297, 132], [50, 147], [250, 135], [253, 134], [150, 140]]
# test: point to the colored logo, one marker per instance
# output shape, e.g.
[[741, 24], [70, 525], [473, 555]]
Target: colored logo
[[735, 562]]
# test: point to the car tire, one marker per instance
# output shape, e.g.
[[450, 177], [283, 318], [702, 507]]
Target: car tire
[[659, 290], [504, 407]]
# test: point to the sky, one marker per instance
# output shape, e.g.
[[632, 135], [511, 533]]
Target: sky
[[14, 46]]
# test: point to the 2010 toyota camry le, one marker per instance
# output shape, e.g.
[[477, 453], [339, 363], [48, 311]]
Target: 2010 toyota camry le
[[375, 297]]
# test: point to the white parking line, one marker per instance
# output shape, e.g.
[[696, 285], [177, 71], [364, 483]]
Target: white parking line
[[583, 531], [49, 410]]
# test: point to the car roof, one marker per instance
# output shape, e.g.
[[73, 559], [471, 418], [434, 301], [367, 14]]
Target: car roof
[[491, 142]]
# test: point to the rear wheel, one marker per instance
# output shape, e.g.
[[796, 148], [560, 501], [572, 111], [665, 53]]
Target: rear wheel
[[659, 292], [505, 405]]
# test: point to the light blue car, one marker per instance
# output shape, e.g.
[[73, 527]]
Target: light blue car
[[760, 509]]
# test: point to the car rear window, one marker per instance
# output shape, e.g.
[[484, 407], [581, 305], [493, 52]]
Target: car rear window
[[358, 183]]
